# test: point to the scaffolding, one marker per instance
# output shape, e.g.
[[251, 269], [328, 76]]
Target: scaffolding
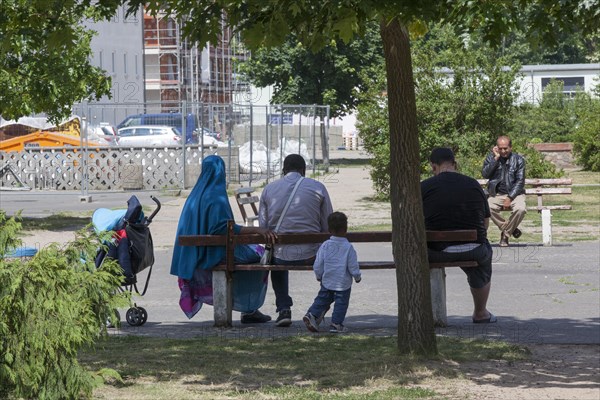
[[178, 70]]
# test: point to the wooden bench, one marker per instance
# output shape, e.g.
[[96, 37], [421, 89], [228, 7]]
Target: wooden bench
[[539, 188], [222, 274], [245, 197]]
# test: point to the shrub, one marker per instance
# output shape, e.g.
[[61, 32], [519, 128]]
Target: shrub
[[586, 138], [50, 306]]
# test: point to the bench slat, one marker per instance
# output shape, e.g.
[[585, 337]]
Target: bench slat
[[464, 264], [247, 200], [299, 238], [537, 182], [558, 181], [363, 266], [535, 208], [539, 191], [244, 190], [202, 240]]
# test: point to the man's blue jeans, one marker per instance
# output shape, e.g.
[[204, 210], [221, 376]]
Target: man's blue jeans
[[280, 280], [323, 301]]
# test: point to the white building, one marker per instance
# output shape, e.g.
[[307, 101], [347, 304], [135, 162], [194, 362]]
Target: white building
[[535, 78]]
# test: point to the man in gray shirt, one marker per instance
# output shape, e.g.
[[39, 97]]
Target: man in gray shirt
[[307, 213]]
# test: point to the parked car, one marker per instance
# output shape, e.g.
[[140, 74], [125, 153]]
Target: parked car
[[212, 134], [175, 120], [149, 136], [103, 134]]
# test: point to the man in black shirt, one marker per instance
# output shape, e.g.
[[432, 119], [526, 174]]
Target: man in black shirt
[[506, 173], [454, 201]]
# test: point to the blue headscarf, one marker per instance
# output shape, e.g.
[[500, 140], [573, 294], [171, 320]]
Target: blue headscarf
[[205, 212]]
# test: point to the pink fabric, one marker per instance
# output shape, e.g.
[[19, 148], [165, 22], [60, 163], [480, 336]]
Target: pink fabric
[[195, 292]]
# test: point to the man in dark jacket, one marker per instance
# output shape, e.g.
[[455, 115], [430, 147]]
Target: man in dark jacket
[[505, 171]]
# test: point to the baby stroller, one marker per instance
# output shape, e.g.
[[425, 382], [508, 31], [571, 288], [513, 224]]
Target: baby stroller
[[131, 246]]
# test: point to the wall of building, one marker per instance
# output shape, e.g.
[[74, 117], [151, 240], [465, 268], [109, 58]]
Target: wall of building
[[535, 78], [118, 48]]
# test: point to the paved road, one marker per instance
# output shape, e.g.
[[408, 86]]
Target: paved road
[[540, 294], [41, 204]]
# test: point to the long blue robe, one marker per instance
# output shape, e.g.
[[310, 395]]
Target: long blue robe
[[206, 212]]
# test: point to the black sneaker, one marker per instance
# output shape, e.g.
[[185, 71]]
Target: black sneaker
[[284, 319], [517, 233], [255, 317]]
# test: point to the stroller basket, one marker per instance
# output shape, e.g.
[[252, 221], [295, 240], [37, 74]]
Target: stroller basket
[[131, 246]]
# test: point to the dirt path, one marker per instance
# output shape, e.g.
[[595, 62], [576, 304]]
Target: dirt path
[[552, 372]]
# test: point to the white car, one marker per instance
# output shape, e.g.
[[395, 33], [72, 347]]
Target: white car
[[148, 135], [102, 134]]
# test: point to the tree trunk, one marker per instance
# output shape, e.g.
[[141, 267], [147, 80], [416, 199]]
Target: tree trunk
[[416, 332]]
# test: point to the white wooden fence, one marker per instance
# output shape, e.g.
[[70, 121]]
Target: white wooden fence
[[110, 168]]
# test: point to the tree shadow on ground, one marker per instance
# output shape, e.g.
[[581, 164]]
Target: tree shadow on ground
[[251, 358]]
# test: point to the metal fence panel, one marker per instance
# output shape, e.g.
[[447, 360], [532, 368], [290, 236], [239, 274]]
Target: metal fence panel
[[253, 140]]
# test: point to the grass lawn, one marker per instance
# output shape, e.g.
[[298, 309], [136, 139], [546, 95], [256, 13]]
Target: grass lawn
[[582, 222], [299, 367]]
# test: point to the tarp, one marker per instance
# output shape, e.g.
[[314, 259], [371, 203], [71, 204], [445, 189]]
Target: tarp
[[259, 156], [27, 125]]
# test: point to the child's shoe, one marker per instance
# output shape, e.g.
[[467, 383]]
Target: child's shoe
[[322, 317], [311, 322], [337, 328]]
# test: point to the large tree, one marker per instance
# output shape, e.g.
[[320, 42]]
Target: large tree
[[316, 23], [45, 56]]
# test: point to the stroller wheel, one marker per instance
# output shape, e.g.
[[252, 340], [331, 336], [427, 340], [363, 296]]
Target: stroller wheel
[[144, 315], [135, 317]]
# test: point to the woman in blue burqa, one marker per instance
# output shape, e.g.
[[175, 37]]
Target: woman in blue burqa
[[206, 212]]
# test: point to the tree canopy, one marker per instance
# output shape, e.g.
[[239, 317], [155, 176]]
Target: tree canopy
[[330, 76], [45, 56]]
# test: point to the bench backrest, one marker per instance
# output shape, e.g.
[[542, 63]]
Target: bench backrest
[[244, 196], [541, 187], [231, 240]]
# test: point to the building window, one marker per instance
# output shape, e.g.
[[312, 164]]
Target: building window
[[570, 84]]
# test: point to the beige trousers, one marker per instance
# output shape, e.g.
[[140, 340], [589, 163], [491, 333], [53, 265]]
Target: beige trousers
[[518, 209]]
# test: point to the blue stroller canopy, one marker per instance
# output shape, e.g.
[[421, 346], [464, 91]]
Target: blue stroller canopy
[[105, 219]]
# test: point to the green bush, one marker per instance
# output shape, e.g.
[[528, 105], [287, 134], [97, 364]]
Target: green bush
[[586, 138], [555, 119], [465, 111], [50, 306], [536, 165]]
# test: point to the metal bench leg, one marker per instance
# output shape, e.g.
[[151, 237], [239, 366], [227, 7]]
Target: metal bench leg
[[221, 292], [437, 278], [546, 227]]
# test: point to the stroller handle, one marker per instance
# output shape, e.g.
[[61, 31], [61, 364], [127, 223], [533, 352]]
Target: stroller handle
[[156, 210]]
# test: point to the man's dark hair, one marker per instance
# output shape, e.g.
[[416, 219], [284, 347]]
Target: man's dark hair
[[338, 222], [441, 155], [294, 162]]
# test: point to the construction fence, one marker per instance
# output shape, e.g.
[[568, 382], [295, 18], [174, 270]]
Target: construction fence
[[253, 141]]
